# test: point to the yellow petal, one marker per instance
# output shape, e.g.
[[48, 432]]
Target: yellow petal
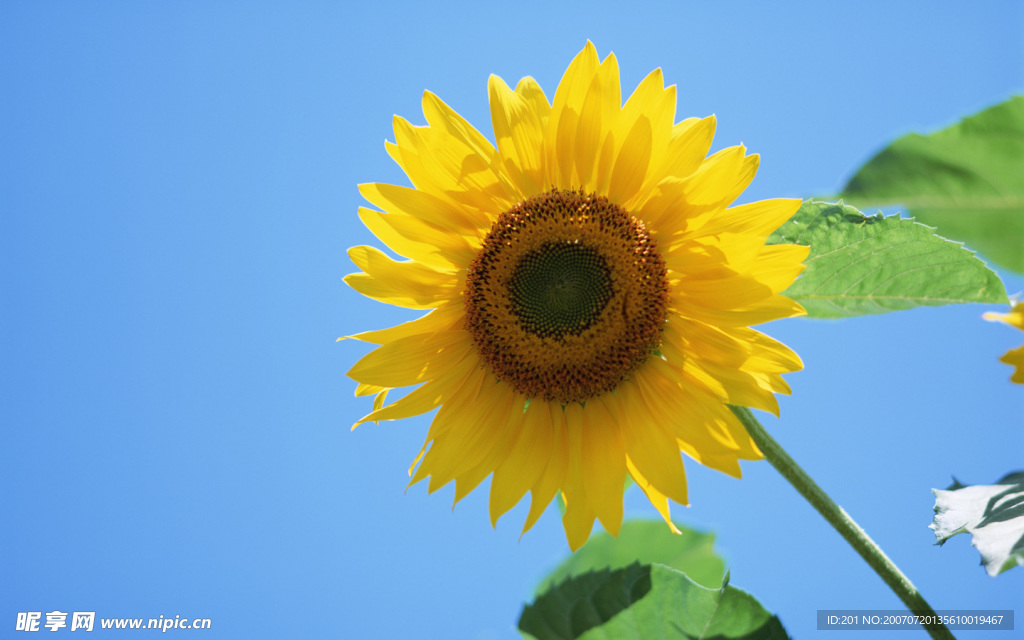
[[707, 342], [678, 204], [441, 117], [380, 399], [655, 103], [519, 132], [729, 292], [436, 463], [447, 316], [443, 214], [687, 148], [767, 354], [650, 448], [504, 437], [778, 265], [604, 464], [578, 519], [419, 240], [591, 127], [565, 114], [459, 442], [363, 389], [413, 359], [407, 284], [758, 219], [1015, 357], [774, 308], [744, 388], [657, 499], [443, 161], [526, 460], [708, 427], [1015, 318], [480, 448], [721, 178], [530, 91], [543, 489], [424, 398], [632, 163]]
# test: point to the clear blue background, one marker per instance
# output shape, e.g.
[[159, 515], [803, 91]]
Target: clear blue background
[[178, 189]]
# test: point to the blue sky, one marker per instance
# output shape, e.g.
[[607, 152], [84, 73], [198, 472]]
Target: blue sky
[[178, 190]]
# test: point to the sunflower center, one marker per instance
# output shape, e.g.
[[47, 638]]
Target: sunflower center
[[560, 289], [567, 296]]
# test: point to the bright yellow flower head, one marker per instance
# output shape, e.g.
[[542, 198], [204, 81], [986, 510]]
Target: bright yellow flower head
[[1013, 357], [591, 292]]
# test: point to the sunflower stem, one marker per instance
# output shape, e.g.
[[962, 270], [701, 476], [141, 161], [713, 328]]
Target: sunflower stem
[[842, 522]]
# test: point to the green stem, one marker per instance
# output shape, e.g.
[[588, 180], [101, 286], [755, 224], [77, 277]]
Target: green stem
[[841, 522]]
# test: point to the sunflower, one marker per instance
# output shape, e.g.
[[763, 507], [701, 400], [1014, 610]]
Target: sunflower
[[1013, 357], [590, 293]]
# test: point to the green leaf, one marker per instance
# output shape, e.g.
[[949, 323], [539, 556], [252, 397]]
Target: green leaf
[[992, 514], [645, 601], [967, 180], [861, 265], [647, 542]]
